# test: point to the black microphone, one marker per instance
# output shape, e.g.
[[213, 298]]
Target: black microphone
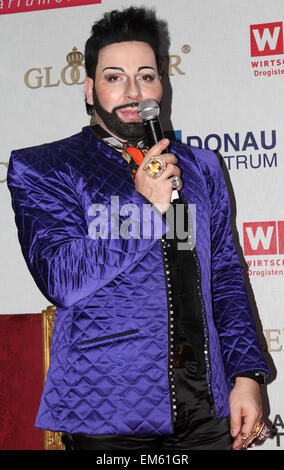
[[149, 111]]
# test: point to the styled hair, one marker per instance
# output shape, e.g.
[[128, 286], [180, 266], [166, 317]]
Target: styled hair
[[131, 24]]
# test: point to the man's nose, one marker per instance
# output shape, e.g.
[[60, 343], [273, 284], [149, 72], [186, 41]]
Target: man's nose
[[133, 90]]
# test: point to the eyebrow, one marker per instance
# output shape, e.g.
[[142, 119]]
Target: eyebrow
[[115, 68], [122, 69], [146, 67]]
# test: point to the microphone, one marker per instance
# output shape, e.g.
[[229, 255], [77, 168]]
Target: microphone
[[149, 111]]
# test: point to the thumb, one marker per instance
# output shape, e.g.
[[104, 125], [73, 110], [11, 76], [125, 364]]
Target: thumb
[[157, 148]]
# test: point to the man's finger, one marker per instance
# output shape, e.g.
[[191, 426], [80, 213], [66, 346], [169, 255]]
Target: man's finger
[[236, 422], [247, 428], [250, 422], [171, 170], [157, 148]]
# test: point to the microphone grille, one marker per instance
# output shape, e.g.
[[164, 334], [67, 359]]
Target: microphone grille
[[148, 109]]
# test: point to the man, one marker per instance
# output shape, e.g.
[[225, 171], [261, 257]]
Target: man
[[153, 347]]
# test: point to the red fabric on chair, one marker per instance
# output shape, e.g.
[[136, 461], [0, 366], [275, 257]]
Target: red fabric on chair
[[21, 381]]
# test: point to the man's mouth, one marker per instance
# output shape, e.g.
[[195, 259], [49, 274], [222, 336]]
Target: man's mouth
[[129, 112]]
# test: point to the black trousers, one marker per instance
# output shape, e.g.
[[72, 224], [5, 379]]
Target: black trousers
[[194, 429]]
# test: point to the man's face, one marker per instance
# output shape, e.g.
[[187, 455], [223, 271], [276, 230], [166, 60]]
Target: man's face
[[126, 74]]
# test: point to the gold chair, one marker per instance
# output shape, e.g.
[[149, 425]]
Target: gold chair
[[52, 440]]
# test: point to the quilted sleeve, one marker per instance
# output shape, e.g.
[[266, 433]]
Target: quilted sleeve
[[65, 262], [231, 308]]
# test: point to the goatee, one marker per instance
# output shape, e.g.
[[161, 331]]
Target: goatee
[[130, 131]]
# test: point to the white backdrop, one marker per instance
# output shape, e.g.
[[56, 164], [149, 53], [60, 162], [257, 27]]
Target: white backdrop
[[227, 79]]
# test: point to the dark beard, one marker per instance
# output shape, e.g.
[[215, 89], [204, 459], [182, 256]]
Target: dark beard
[[130, 131]]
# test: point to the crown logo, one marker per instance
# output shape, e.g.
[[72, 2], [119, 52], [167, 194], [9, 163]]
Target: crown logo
[[75, 58]]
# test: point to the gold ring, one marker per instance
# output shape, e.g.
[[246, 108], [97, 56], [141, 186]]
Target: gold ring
[[261, 432], [155, 167]]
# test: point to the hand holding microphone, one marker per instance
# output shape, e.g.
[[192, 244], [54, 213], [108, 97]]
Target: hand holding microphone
[[153, 177], [158, 174]]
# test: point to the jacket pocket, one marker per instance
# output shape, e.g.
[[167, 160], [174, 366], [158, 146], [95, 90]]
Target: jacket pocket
[[108, 338]]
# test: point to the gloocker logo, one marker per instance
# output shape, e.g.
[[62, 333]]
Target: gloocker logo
[[22, 6], [266, 39]]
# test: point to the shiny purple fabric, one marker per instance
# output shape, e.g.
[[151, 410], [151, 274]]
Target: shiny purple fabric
[[110, 349]]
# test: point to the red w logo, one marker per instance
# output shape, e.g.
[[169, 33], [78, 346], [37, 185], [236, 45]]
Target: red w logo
[[266, 39]]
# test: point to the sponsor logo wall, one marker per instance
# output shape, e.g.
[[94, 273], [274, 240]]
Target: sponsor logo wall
[[220, 59]]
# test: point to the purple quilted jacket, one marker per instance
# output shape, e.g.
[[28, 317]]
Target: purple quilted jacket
[[109, 368]]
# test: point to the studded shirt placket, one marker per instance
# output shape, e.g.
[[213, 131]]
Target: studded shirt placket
[[166, 244]]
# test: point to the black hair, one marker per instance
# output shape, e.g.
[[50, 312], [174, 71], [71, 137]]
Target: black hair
[[131, 24]]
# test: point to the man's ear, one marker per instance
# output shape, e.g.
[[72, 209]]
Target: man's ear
[[89, 83]]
